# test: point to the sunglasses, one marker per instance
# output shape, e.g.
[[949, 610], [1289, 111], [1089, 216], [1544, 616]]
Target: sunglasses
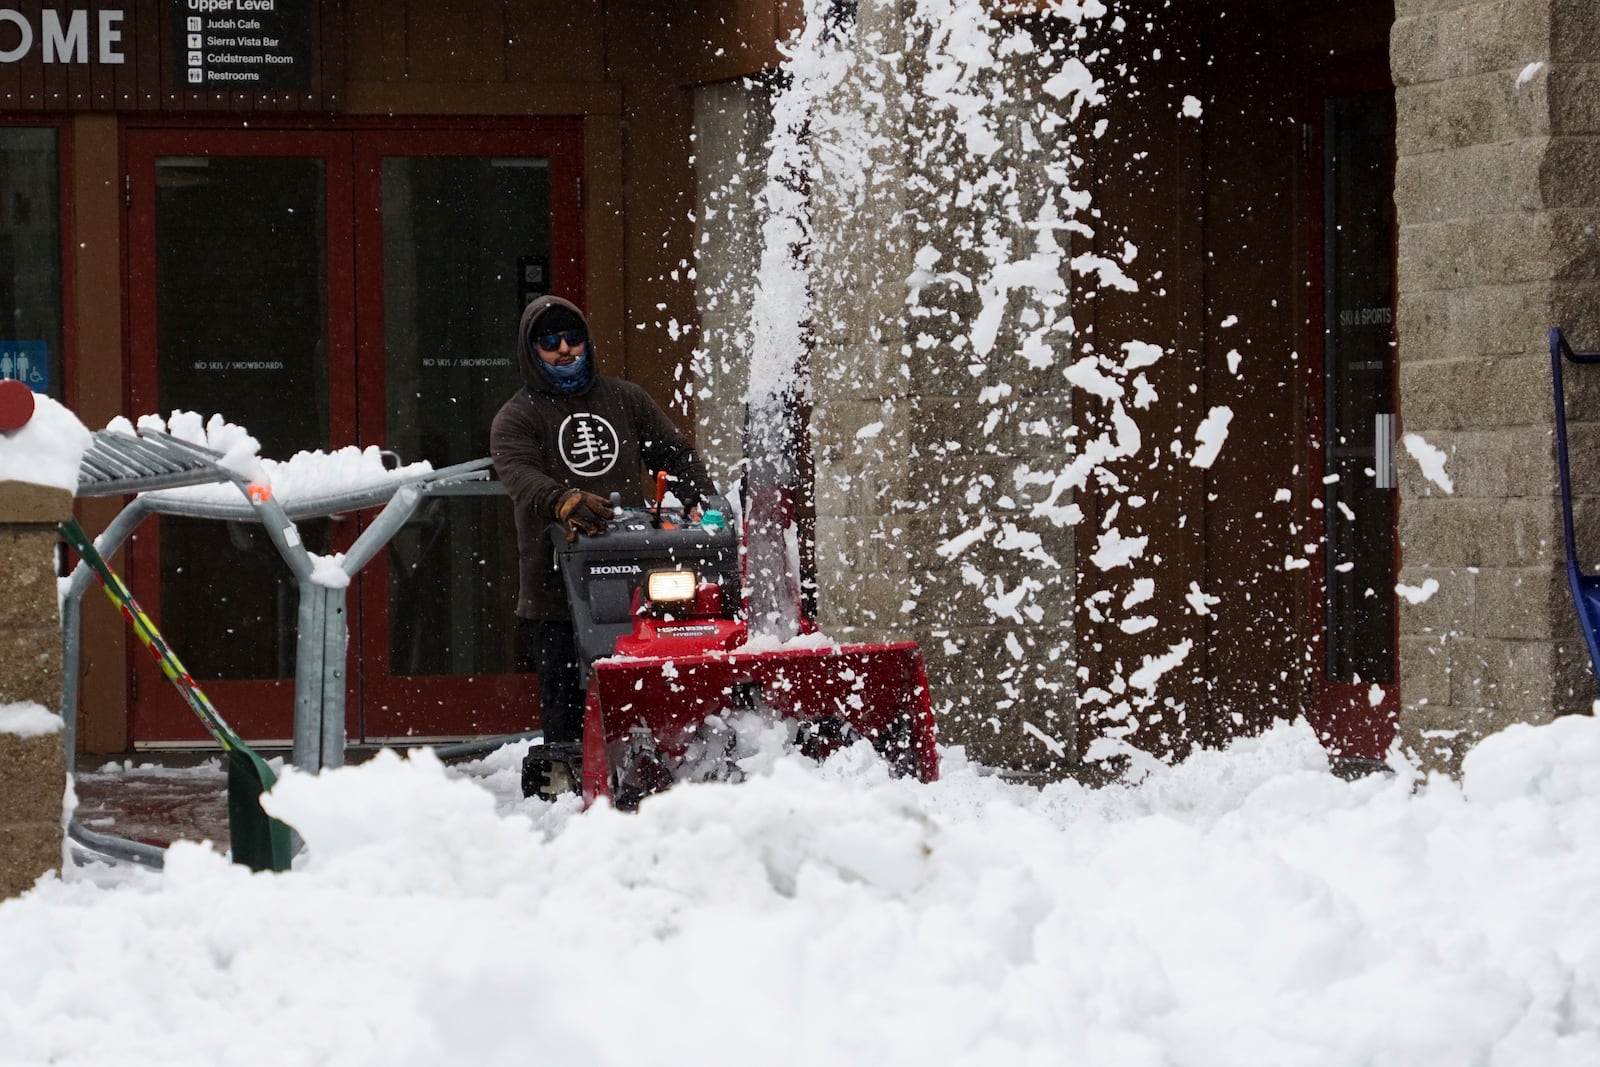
[[551, 341]]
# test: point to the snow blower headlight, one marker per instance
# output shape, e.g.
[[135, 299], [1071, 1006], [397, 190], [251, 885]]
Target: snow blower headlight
[[670, 587]]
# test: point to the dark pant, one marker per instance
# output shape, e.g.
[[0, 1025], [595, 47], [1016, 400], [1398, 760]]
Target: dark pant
[[553, 655]]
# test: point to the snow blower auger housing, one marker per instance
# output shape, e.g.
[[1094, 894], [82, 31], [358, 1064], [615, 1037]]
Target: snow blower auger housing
[[670, 674]]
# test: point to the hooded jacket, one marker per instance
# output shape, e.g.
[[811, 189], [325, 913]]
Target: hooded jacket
[[600, 438]]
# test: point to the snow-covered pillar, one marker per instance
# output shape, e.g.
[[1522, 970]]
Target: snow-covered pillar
[[922, 528], [1497, 195], [33, 771]]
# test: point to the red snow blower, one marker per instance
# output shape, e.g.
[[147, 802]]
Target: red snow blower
[[676, 690]]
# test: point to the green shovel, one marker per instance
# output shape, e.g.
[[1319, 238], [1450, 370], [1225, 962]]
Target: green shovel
[[259, 841]]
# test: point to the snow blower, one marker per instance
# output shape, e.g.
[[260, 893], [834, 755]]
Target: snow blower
[[675, 686]]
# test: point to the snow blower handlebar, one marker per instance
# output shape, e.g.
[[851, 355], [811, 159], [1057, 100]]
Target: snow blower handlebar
[[602, 572], [661, 494]]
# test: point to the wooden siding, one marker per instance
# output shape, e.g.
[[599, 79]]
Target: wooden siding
[[1221, 209]]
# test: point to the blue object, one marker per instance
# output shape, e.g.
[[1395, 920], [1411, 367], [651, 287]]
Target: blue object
[[573, 378], [711, 519], [28, 362], [1585, 587]]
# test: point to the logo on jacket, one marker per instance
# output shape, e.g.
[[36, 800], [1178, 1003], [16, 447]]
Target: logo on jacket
[[588, 444]]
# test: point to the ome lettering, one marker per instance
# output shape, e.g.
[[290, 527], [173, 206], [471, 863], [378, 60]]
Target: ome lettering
[[62, 37]]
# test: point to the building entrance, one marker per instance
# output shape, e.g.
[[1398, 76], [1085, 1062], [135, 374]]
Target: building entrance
[[325, 288], [1356, 694]]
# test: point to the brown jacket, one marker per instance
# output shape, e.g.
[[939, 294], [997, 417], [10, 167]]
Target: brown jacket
[[602, 438]]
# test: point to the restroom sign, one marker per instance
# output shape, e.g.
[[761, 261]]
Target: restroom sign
[[28, 362], [249, 46]]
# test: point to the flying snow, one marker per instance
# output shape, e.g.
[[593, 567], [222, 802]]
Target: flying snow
[[1211, 434], [1418, 594], [1430, 459]]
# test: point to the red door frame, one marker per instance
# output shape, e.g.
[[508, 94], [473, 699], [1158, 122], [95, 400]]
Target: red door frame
[[352, 153], [259, 709], [411, 707], [1350, 725]]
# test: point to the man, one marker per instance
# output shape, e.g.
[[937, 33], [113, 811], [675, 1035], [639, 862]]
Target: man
[[567, 440]]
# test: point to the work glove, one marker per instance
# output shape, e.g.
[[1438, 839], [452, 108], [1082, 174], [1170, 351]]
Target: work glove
[[583, 512]]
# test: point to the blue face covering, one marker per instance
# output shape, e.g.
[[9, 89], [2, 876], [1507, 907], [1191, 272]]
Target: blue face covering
[[571, 378]]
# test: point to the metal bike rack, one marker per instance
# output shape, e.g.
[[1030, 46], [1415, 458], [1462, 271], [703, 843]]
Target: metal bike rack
[[146, 463]]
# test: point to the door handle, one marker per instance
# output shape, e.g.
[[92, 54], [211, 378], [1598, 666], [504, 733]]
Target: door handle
[[1383, 450]]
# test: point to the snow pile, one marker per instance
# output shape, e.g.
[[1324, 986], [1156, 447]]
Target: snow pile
[[329, 572], [27, 719], [305, 476], [756, 643], [240, 451], [1246, 907], [48, 449]]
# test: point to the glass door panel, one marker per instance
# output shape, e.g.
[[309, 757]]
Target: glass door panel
[[30, 258], [1359, 420], [463, 238], [244, 336], [468, 235], [1358, 355], [234, 240], [242, 294]]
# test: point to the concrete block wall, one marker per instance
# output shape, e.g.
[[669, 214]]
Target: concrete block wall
[[863, 421], [1497, 195], [32, 760], [732, 122]]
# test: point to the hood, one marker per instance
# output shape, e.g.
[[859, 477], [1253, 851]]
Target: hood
[[528, 361]]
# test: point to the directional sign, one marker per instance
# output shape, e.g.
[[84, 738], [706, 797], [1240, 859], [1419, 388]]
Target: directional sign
[[249, 46]]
